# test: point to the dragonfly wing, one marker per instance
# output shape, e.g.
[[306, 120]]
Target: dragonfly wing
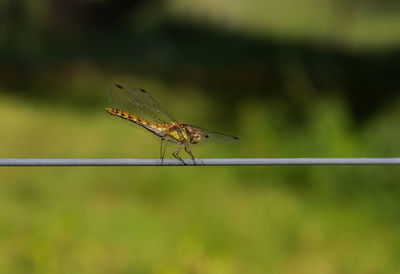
[[216, 137], [223, 138], [139, 103]]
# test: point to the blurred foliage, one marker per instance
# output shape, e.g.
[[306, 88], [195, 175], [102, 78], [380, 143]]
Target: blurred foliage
[[152, 39], [291, 79]]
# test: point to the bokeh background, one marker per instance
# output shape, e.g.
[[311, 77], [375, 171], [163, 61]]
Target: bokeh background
[[301, 78]]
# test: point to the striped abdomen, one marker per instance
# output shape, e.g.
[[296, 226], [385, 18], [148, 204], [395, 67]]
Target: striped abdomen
[[157, 129]]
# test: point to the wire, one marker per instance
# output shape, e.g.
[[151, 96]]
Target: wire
[[199, 162]]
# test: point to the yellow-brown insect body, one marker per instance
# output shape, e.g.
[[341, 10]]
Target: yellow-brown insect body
[[139, 107], [177, 131]]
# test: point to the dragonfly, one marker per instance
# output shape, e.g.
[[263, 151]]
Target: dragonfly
[[139, 108]]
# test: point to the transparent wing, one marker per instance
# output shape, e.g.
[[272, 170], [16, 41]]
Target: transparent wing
[[223, 138], [139, 103], [216, 137]]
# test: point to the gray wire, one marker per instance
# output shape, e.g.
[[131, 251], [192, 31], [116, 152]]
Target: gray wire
[[199, 162]]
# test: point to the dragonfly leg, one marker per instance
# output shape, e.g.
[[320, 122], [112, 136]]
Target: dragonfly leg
[[162, 152], [176, 152], [189, 151]]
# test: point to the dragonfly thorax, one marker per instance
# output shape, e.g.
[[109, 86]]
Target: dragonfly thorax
[[183, 133]]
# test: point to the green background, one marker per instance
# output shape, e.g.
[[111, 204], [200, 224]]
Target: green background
[[299, 78]]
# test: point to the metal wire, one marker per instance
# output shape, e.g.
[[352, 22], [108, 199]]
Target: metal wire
[[199, 162]]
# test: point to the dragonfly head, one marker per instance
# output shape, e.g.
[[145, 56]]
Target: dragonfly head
[[195, 135]]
